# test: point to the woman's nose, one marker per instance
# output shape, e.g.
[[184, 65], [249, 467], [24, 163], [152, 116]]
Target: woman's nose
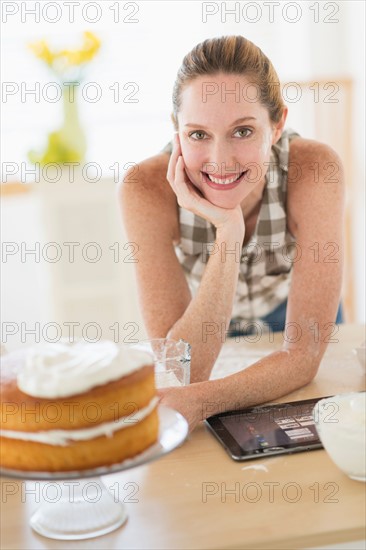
[[221, 160]]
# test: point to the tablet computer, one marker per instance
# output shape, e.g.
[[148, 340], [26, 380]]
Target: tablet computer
[[267, 430]]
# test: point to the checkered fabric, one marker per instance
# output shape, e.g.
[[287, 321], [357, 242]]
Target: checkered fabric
[[265, 261]]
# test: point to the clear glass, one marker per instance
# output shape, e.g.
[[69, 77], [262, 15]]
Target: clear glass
[[172, 360]]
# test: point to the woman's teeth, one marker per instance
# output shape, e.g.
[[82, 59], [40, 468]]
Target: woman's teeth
[[226, 181]]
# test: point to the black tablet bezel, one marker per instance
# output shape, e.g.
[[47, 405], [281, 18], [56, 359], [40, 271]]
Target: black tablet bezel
[[233, 448]]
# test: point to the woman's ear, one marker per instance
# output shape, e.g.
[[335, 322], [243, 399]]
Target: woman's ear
[[279, 126], [174, 120]]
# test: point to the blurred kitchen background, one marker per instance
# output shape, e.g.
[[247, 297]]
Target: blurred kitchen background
[[66, 261]]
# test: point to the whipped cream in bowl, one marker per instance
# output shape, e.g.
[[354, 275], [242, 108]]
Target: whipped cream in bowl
[[341, 425], [65, 368]]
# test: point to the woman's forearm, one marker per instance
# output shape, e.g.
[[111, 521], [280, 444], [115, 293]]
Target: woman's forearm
[[207, 318], [277, 374]]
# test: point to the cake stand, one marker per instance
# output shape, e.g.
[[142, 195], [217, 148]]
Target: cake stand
[[77, 505]]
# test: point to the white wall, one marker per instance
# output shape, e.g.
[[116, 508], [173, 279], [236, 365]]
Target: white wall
[[80, 280], [148, 53]]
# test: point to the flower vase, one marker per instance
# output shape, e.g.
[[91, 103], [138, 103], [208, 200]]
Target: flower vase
[[68, 144], [71, 135]]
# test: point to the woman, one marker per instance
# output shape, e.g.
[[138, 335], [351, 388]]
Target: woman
[[235, 232]]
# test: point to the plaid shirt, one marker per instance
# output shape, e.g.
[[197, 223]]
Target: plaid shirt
[[265, 261]]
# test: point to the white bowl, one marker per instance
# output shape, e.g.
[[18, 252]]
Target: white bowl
[[341, 424]]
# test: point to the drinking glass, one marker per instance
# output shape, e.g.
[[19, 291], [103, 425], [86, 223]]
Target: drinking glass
[[172, 360]]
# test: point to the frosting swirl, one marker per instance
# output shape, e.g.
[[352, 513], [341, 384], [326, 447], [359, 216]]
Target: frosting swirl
[[69, 368]]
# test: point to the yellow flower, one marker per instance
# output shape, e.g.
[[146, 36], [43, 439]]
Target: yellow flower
[[91, 45], [42, 51], [71, 57], [60, 61]]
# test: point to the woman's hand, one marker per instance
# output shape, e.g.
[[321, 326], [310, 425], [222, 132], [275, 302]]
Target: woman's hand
[[180, 399], [190, 197]]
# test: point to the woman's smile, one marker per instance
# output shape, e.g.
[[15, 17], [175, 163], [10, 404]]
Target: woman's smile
[[223, 183]]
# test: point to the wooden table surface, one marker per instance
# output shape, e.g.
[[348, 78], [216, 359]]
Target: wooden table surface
[[197, 497]]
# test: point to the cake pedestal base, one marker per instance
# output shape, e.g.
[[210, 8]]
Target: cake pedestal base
[[77, 510]]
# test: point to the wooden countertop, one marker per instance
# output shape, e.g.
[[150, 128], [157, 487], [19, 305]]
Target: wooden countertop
[[197, 497]]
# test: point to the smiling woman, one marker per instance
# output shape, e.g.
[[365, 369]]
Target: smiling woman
[[241, 227], [225, 152], [232, 73]]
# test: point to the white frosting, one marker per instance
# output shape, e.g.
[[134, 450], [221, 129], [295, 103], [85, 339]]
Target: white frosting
[[64, 437], [64, 368]]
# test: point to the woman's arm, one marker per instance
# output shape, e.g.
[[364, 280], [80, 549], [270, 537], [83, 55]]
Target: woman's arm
[[316, 207], [207, 318], [149, 216]]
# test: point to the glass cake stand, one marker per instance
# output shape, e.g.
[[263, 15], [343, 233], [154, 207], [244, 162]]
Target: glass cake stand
[[75, 510]]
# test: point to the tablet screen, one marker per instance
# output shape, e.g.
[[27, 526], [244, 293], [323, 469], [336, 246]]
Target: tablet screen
[[267, 429]]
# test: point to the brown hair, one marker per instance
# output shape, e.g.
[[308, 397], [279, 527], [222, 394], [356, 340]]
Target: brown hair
[[231, 55]]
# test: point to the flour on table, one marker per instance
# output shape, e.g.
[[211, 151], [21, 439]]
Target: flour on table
[[233, 359], [256, 467]]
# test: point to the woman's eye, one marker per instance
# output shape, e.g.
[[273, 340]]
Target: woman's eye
[[244, 132], [199, 135]]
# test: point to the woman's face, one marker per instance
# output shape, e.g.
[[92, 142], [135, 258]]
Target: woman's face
[[226, 137]]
